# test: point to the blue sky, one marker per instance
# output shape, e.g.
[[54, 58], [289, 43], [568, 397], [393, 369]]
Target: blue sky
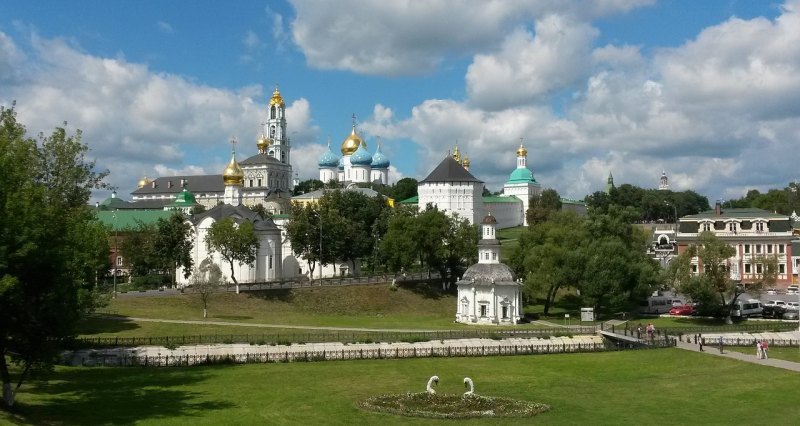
[[706, 91]]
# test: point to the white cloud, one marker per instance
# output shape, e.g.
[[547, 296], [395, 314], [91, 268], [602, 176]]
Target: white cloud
[[528, 67], [404, 37], [165, 27]]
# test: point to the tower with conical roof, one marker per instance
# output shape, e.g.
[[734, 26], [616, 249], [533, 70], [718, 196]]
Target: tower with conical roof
[[233, 178], [275, 128], [609, 183], [522, 184], [452, 189]]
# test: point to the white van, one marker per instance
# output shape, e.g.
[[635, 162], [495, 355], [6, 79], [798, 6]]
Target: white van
[[658, 304], [749, 308]]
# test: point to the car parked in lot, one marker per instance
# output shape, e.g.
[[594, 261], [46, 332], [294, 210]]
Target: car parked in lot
[[776, 303], [792, 289], [773, 311], [792, 305], [772, 291], [682, 310], [790, 314]]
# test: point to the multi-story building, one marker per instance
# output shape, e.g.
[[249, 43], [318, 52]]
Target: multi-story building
[[754, 233]]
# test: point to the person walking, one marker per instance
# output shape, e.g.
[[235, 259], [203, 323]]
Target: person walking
[[764, 348], [720, 344], [700, 339], [758, 350]]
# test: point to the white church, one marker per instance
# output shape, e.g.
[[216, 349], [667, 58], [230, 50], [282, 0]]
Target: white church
[[356, 165]]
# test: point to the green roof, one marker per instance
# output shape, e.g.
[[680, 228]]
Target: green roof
[[740, 213], [124, 220], [412, 200], [521, 175], [184, 199], [500, 199], [571, 201]]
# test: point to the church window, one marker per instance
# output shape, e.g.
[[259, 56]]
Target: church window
[[272, 131], [272, 112], [259, 181], [250, 183], [119, 260], [494, 256], [484, 309], [505, 312], [269, 260]]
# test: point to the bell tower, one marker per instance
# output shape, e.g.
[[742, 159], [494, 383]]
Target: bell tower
[[275, 128]]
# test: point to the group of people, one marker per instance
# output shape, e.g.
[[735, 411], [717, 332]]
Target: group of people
[[762, 349]]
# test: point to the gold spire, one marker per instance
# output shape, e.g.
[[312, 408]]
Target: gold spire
[[277, 99], [521, 151], [456, 155], [233, 174]]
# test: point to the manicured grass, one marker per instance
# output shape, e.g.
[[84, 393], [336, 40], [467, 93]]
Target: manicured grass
[[777, 352], [667, 386], [509, 240]]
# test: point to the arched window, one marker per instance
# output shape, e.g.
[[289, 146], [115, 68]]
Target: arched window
[[272, 131], [272, 112]]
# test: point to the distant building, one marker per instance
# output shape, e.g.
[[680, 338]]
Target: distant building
[[663, 184], [356, 165], [754, 233]]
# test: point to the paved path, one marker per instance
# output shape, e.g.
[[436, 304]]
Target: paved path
[[749, 357]]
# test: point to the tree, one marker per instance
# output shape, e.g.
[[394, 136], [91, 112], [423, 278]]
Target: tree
[[138, 247], [206, 281], [234, 242], [307, 186], [51, 246], [398, 245], [172, 245], [542, 206], [303, 230], [713, 278], [404, 189]]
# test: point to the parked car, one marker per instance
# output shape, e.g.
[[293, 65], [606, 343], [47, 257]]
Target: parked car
[[746, 309], [772, 291], [792, 289], [775, 303], [792, 305], [682, 310], [773, 311], [790, 314]]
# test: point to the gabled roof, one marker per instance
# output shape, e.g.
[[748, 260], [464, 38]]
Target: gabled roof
[[739, 213], [239, 214], [197, 184], [450, 170], [260, 159]]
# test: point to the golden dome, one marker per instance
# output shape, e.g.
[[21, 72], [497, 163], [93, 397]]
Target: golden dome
[[276, 99], [262, 144], [521, 151], [456, 155], [233, 174], [465, 163], [350, 145], [143, 182]]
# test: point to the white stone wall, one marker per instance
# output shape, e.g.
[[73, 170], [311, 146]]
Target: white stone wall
[[327, 174], [508, 215], [524, 192], [463, 198]]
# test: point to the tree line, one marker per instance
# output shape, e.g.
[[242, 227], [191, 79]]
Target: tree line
[[650, 205]]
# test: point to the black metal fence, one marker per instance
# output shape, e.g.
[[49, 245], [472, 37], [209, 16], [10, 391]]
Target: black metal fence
[[291, 355], [321, 337], [776, 327]]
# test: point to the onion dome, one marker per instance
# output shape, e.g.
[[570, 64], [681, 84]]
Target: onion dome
[[262, 143], [233, 174], [489, 220], [184, 198], [351, 144], [456, 154], [379, 161], [341, 164], [143, 182], [521, 151], [465, 162], [276, 98], [328, 158], [361, 157]]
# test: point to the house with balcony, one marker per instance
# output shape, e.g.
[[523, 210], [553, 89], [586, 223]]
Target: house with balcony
[[753, 233]]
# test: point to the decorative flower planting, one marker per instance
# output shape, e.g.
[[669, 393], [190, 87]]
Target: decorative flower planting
[[448, 406]]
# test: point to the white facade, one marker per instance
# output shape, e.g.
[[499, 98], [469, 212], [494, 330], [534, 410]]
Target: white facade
[[356, 164], [462, 198], [521, 184], [487, 293]]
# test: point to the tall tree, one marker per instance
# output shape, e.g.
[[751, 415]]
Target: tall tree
[[308, 186], [398, 245], [138, 249], [303, 230], [404, 189], [206, 280], [236, 243], [172, 245], [51, 245], [542, 206]]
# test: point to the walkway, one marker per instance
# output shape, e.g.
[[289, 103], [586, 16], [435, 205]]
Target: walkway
[[247, 324], [748, 357]]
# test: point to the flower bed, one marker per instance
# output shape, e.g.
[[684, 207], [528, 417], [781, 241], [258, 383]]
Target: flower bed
[[446, 406]]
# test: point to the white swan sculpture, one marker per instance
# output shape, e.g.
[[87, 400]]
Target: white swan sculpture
[[433, 380], [468, 384]]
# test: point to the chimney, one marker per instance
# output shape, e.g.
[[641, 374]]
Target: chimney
[[718, 208]]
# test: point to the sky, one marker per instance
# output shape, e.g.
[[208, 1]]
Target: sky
[[707, 91]]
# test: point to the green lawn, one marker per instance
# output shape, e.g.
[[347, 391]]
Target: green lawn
[[777, 352], [668, 386], [508, 240]]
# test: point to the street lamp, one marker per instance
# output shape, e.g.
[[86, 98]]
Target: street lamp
[[675, 209], [116, 253]]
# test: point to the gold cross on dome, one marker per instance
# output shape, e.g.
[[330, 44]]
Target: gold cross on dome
[[233, 144]]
